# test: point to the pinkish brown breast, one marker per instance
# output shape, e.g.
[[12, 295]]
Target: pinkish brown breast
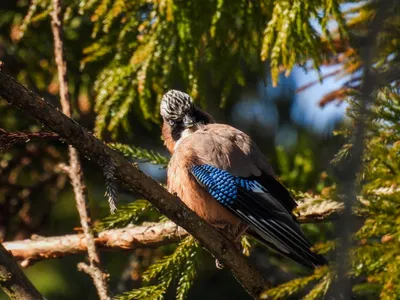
[[181, 182]]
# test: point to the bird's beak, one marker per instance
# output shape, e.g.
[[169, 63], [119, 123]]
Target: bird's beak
[[188, 122]]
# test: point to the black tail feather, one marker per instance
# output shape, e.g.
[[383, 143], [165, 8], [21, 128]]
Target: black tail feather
[[311, 260]]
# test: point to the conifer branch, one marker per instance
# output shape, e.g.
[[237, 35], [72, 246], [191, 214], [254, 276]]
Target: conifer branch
[[312, 210], [75, 170], [111, 189], [349, 173], [124, 216], [141, 154], [179, 266]]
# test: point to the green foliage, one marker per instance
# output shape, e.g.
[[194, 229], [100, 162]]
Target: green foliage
[[298, 168], [376, 256], [292, 167], [131, 212], [149, 46], [320, 290], [147, 292], [178, 267], [164, 34], [125, 215], [246, 245], [325, 247], [322, 275], [289, 37], [141, 154]]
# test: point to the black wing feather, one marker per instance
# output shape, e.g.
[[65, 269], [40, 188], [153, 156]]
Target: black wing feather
[[274, 228], [264, 204], [276, 190]]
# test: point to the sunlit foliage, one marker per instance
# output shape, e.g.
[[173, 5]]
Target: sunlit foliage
[[148, 47]]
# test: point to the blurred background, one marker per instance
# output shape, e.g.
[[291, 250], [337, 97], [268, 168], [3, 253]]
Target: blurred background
[[116, 84]]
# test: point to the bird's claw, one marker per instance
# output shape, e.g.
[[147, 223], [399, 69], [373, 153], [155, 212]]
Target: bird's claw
[[219, 264]]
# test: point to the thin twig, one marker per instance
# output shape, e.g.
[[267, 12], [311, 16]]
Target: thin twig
[[75, 169], [13, 281], [8, 139]]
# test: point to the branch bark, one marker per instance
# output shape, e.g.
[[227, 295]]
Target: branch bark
[[13, 281], [134, 180], [8, 139], [131, 237], [75, 171]]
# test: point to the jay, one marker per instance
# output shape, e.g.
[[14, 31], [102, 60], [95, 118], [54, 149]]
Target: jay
[[221, 174]]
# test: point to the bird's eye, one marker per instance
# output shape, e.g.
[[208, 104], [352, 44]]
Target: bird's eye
[[171, 122]]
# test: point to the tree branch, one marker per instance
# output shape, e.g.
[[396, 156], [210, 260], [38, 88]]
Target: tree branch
[[7, 139], [75, 171], [13, 281], [314, 210], [131, 237], [134, 180], [147, 235]]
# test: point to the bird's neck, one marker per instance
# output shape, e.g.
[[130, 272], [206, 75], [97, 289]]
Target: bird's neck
[[169, 141], [185, 134]]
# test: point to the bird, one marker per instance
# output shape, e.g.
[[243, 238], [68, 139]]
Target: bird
[[220, 173]]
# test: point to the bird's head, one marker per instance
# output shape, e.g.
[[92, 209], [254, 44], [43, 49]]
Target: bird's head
[[181, 117]]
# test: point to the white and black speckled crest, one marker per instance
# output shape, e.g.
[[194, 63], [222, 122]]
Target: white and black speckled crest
[[175, 104]]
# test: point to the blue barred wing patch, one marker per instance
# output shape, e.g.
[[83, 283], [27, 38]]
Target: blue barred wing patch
[[251, 202], [222, 185]]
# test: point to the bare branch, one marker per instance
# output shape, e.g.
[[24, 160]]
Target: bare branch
[[131, 237], [75, 171], [7, 139], [13, 281]]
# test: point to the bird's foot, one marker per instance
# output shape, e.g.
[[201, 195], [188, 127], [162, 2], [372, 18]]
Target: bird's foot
[[219, 264], [233, 233]]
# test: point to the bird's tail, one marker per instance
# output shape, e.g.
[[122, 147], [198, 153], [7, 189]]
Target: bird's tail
[[307, 258]]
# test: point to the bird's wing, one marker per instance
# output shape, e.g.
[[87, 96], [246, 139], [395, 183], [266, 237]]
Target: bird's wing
[[255, 205], [245, 159]]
